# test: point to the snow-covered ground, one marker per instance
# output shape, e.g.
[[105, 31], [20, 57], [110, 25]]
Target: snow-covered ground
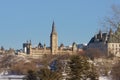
[[20, 77], [104, 78], [12, 77]]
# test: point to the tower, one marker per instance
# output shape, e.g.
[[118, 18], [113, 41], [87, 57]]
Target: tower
[[74, 47], [54, 40]]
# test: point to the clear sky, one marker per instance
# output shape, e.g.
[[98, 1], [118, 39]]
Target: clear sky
[[75, 20]]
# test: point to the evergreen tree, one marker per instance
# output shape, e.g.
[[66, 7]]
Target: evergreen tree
[[81, 69], [115, 72], [32, 75], [47, 74]]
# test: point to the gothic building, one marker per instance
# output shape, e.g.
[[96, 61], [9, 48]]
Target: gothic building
[[107, 43], [41, 50]]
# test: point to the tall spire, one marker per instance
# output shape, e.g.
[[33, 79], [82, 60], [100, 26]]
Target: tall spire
[[53, 28], [54, 40]]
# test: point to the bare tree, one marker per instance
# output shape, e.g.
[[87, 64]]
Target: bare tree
[[6, 61], [113, 20], [23, 67]]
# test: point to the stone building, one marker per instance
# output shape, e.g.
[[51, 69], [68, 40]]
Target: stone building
[[41, 50], [99, 42], [113, 45], [107, 43]]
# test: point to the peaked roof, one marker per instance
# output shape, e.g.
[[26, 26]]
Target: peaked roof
[[53, 29]]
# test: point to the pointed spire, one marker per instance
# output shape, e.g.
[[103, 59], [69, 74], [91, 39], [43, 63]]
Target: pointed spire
[[100, 34], [44, 45], [53, 28], [118, 28], [110, 32], [100, 31]]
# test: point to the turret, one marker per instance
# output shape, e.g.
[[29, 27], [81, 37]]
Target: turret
[[44, 48], [95, 37], [100, 33], [110, 32], [27, 47], [40, 45], [74, 47], [61, 46]]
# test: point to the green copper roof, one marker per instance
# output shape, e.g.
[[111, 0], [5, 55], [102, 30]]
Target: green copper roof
[[115, 37]]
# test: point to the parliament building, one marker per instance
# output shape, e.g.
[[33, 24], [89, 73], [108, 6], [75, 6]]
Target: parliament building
[[54, 49]]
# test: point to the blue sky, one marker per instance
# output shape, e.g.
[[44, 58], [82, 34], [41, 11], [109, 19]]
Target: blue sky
[[75, 20]]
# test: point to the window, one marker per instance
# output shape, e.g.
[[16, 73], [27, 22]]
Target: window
[[112, 45]]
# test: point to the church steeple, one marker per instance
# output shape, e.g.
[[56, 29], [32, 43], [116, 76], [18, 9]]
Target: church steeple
[[53, 29]]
